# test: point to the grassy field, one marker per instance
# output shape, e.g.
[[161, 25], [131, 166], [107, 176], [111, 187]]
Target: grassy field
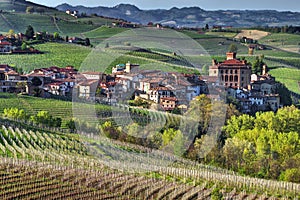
[[19, 22], [103, 32], [221, 34], [55, 54], [290, 77], [285, 41], [219, 46]]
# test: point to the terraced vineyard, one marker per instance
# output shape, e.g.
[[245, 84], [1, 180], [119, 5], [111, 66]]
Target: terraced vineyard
[[53, 166], [57, 108]]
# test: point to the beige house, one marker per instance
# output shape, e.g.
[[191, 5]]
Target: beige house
[[87, 89], [155, 94], [169, 103]]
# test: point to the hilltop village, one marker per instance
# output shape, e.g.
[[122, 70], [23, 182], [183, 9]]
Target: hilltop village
[[151, 88]]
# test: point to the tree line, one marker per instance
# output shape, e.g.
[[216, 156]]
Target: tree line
[[40, 118]]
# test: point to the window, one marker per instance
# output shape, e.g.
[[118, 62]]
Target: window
[[226, 78], [242, 71], [236, 78], [231, 78], [222, 71], [235, 71], [231, 71], [242, 78], [215, 71]]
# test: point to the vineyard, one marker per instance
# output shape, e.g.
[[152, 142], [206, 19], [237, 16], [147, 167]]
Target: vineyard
[[39, 165], [290, 77]]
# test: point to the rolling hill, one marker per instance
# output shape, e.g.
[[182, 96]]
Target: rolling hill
[[193, 16], [13, 16]]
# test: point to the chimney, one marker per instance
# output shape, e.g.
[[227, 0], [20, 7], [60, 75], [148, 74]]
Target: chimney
[[214, 62], [231, 55], [265, 70]]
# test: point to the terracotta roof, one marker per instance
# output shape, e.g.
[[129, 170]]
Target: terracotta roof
[[87, 83], [210, 79], [92, 73], [160, 88], [5, 43], [12, 72], [169, 98]]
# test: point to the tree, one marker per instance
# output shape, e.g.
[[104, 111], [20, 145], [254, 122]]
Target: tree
[[291, 175], [29, 32], [29, 9], [22, 86], [233, 48], [56, 35], [11, 33], [206, 26], [284, 93], [24, 46], [40, 10], [36, 81], [200, 110], [87, 42], [258, 64], [37, 92], [71, 125]]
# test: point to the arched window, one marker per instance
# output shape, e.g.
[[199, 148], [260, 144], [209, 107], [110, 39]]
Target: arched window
[[230, 78], [226, 78], [236, 78]]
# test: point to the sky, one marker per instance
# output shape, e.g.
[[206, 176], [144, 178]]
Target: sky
[[281, 5]]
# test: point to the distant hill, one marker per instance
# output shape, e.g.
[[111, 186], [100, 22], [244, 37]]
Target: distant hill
[[13, 16], [193, 16], [20, 6]]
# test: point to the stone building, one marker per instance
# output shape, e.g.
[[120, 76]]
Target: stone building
[[232, 72]]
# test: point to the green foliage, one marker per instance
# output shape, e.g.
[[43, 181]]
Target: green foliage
[[238, 123], [216, 194], [258, 64], [265, 145], [200, 110], [70, 124], [291, 175], [29, 32], [14, 113], [36, 81], [24, 46], [56, 35], [110, 131], [30, 9], [233, 48], [43, 117]]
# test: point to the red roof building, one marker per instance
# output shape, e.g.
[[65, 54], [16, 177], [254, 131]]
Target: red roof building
[[232, 72]]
